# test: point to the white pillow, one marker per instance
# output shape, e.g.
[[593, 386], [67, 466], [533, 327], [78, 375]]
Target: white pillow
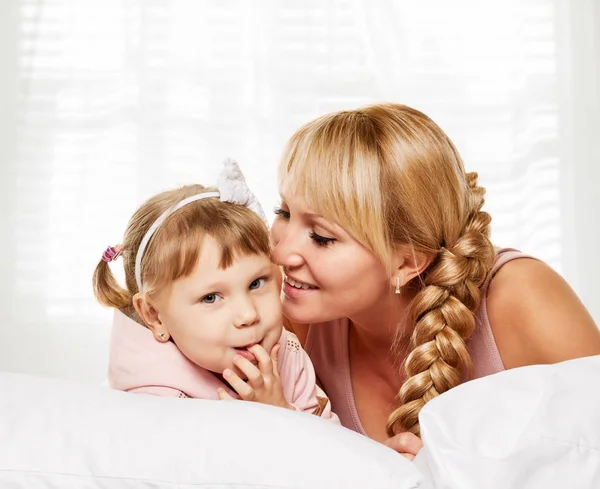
[[533, 427], [529, 428], [56, 434]]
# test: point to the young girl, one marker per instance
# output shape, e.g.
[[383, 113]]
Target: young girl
[[202, 303]]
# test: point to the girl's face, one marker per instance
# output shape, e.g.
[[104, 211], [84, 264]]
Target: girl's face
[[327, 273], [214, 314]]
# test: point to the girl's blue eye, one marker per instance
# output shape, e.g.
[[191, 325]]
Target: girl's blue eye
[[210, 298], [321, 240], [281, 213], [257, 284]]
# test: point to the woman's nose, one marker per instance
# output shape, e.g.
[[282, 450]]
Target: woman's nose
[[286, 249]]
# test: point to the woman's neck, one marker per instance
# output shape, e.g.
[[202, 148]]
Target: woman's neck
[[385, 327]]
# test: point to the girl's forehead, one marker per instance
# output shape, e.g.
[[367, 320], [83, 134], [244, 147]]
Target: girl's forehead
[[211, 255]]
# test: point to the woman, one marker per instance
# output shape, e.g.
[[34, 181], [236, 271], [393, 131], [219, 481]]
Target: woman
[[391, 281]]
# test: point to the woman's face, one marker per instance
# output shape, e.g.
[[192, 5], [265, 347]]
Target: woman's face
[[327, 273]]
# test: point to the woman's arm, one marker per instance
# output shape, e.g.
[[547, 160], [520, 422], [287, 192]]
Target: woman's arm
[[537, 318]]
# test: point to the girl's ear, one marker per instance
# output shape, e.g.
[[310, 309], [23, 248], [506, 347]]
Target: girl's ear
[[151, 317], [408, 264]]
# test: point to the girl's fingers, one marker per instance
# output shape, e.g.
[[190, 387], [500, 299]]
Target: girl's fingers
[[223, 395], [275, 359], [245, 391], [262, 357], [252, 373]]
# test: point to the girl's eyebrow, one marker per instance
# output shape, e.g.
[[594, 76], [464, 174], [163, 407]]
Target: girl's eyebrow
[[265, 270], [213, 287]]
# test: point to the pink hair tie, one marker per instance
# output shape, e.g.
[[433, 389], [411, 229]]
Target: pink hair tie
[[112, 253]]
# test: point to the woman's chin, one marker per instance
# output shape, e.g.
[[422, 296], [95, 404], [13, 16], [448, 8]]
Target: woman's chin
[[299, 313]]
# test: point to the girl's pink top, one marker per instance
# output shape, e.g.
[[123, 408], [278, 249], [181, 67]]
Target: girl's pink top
[[139, 363]]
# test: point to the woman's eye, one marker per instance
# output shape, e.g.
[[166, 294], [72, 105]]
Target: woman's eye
[[210, 298], [279, 212], [257, 284], [321, 240]]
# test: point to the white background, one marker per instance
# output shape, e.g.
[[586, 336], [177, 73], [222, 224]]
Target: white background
[[103, 103]]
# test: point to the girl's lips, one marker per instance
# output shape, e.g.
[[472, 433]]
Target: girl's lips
[[246, 354]]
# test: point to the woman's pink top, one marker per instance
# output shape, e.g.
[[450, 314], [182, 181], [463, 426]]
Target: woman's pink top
[[327, 346]]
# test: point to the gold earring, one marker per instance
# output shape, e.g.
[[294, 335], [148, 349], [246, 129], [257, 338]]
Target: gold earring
[[397, 290]]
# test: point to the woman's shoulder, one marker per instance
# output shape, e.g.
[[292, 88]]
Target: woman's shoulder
[[535, 316]]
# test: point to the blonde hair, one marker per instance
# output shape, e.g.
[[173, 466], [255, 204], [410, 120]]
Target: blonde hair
[[389, 175], [174, 249]]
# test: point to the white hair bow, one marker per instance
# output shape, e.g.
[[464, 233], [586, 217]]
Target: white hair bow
[[233, 188]]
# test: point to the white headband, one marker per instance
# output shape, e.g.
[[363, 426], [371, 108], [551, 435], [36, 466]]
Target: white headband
[[231, 186]]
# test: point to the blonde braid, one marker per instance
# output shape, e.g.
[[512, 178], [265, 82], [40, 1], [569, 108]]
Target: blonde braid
[[444, 315]]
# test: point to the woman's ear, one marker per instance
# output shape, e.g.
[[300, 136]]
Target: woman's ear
[[408, 264], [151, 317]]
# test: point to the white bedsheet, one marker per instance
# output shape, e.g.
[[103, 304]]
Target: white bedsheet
[[536, 427]]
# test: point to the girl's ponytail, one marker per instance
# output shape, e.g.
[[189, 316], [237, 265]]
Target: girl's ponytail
[[106, 288]]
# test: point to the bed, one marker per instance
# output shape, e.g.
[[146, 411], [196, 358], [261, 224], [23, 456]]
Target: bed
[[534, 427]]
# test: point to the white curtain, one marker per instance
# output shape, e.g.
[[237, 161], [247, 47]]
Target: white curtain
[[106, 102]]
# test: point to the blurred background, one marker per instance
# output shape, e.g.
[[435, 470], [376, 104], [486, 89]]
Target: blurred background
[[103, 103]]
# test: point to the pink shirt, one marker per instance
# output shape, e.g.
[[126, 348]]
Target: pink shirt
[[138, 363], [327, 346]]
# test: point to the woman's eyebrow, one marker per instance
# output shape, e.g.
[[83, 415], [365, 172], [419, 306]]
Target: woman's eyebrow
[[312, 215]]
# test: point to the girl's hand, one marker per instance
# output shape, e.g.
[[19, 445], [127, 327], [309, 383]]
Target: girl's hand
[[263, 384], [406, 444]]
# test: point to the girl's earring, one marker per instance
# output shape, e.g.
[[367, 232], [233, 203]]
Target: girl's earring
[[163, 336], [397, 290]]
